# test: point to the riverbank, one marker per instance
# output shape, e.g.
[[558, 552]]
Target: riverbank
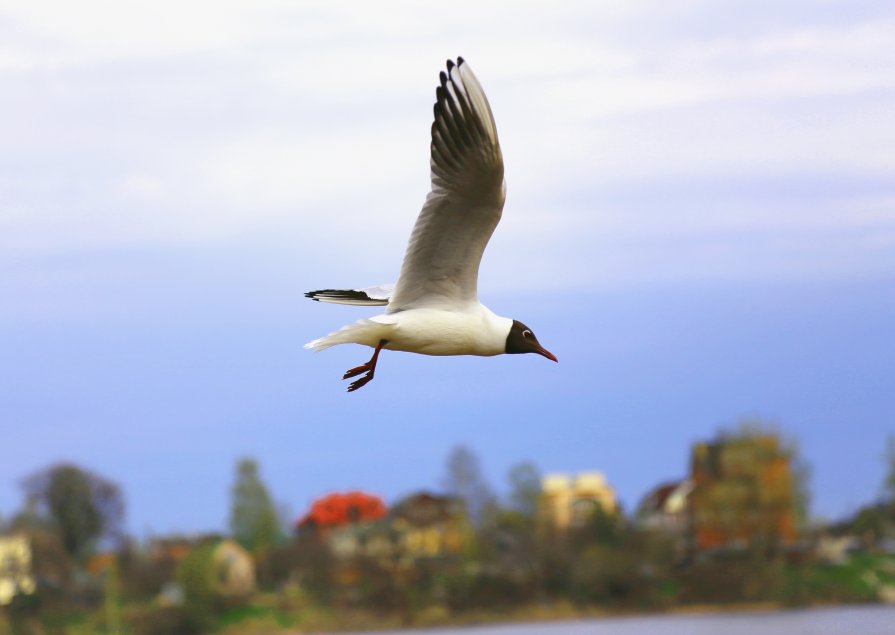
[[293, 609]]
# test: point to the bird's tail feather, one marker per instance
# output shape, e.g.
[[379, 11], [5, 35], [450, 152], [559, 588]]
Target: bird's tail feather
[[366, 332]]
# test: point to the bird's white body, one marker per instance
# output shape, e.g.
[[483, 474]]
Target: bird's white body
[[471, 330]]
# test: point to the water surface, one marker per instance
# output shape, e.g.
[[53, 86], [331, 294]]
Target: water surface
[[852, 620]]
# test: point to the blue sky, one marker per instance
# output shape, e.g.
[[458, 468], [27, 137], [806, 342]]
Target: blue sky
[[700, 223]]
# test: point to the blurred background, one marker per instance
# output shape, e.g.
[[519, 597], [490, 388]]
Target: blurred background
[[700, 224]]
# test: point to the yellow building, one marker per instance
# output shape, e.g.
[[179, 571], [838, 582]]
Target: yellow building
[[567, 501], [16, 576], [430, 526]]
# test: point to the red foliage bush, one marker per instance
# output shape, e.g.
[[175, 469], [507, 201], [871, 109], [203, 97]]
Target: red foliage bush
[[334, 510]]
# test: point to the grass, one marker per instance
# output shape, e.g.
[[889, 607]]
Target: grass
[[855, 580]]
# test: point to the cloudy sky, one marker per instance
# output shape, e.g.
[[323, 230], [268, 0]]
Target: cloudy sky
[[700, 223]]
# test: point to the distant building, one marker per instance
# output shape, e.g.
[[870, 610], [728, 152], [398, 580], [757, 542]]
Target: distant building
[[350, 525], [836, 550], [372, 539], [16, 575], [666, 507], [234, 570], [430, 526], [568, 502], [742, 493], [418, 527]]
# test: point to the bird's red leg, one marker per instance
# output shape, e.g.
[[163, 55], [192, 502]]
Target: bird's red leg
[[369, 368]]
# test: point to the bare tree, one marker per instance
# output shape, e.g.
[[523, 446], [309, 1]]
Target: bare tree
[[889, 479], [464, 480], [525, 488]]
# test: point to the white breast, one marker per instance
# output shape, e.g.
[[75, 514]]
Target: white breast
[[476, 331]]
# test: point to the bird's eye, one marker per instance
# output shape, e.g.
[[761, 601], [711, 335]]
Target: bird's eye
[[526, 333]]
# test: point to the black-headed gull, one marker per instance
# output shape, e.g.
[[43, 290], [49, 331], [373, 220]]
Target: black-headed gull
[[434, 309]]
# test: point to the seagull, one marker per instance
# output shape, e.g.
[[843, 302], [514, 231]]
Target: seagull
[[433, 308]]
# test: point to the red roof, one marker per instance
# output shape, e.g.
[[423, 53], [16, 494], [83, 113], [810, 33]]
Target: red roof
[[342, 508]]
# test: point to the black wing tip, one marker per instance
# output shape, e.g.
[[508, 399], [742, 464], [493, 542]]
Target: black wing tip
[[451, 64], [340, 294], [321, 292]]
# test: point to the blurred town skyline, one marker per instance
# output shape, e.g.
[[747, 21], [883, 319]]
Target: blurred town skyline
[[598, 484], [734, 530]]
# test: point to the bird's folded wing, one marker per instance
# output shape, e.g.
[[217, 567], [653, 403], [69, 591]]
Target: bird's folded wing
[[371, 296], [441, 265]]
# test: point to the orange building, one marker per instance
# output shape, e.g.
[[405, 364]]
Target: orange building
[[742, 493]]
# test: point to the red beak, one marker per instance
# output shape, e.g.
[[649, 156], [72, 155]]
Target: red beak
[[543, 351]]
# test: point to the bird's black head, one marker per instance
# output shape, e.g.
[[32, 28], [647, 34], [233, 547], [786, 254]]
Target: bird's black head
[[522, 340]]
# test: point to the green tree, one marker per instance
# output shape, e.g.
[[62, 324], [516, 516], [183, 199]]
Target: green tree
[[80, 505], [253, 518], [195, 573]]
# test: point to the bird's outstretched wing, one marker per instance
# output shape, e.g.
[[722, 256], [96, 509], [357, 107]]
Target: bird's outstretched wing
[[441, 266]]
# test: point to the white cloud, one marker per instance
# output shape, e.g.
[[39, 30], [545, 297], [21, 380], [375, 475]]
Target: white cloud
[[192, 123], [141, 186]]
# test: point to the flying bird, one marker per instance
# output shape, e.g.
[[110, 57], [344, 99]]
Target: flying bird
[[434, 307]]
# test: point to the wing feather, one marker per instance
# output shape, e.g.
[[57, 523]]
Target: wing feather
[[441, 264]]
